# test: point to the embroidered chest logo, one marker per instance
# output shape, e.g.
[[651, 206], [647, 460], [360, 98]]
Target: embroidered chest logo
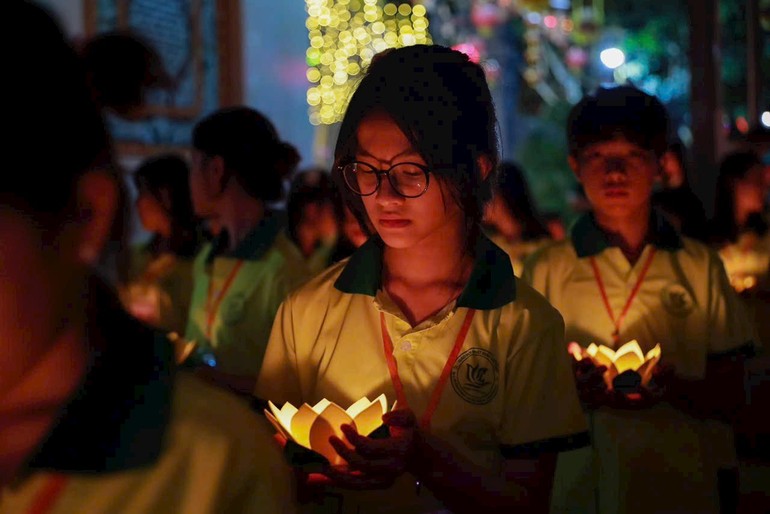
[[677, 300], [233, 308], [475, 376]]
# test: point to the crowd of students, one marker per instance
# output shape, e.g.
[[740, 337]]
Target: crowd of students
[[418, 268]]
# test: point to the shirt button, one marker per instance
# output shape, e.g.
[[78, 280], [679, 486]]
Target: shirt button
[[406, 346]]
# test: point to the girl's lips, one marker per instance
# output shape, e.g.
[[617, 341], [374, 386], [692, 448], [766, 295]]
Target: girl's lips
[[393, 223], [615, 192]]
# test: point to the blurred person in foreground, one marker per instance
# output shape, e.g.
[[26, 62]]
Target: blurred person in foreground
[[94, 416]]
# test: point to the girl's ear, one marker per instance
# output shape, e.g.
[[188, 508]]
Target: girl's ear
[[216, 175], [574, 166], [485, 166], [97, 203]]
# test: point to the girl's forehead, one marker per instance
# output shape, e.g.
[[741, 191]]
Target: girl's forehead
[[617, 143], [379, 136]]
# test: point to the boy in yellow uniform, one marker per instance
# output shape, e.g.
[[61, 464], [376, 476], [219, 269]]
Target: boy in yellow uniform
[[240, 278], [428, 311], [626, 274], [94, 417]]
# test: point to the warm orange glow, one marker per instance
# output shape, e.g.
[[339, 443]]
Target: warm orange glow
[[182, 347], [627, 357], [311, 427]]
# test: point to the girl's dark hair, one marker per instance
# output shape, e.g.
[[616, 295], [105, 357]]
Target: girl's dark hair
[[615, 111], [57, 132], [441, 102], [251, 149], [121, 67], [513, 189], [733, 168], [166, 178], [313, 186]]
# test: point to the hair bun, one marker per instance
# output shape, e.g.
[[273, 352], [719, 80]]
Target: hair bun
[[287, 159]]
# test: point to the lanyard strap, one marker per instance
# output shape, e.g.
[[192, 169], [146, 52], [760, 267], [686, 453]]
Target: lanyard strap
[[439, 389], [617, 322], [49, 493], [213, 307]]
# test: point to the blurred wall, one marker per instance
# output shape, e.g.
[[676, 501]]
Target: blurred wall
[[274, 44], [275, 41], [69, 13]]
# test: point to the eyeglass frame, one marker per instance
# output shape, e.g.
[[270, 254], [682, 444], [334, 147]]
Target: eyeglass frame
[[380, 172]]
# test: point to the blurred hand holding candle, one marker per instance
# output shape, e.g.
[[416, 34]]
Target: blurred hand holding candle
[[627, 367], [311, 427]]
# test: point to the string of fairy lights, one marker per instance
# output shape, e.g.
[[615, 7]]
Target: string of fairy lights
[[343, 37]]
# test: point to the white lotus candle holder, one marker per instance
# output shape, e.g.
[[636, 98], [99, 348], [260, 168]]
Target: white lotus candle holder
[[311, 427], [628, 357]]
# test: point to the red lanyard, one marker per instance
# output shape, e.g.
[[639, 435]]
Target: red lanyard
[[617, 322], [212, 308], [50, 492], [436, 396]]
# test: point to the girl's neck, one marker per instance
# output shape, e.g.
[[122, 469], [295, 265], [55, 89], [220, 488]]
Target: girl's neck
[[29, 410], [240, 214], [307, 239], [742, 215], [630, 232], [424, 278]]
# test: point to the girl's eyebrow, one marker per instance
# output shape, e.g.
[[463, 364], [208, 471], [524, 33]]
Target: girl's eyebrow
[[408, 151]]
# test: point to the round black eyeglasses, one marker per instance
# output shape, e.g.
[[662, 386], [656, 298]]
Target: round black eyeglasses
[[408, 179]]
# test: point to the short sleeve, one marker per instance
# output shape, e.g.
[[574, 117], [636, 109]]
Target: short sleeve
[[731, 329], [278, 380], [543, 414]]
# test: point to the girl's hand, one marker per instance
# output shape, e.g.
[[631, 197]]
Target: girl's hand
[[589, 379], [375, 463], [654, 392]]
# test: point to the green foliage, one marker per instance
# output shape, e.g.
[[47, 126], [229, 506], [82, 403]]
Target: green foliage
[[543, 156]]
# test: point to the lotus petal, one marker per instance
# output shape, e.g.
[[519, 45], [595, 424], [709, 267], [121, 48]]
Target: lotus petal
[[358, 407], [326, 425], [368, 420], [629, 356], [576, 351], [277, 425], [301, 423], [284, 414], [604, 356], [654, 353]]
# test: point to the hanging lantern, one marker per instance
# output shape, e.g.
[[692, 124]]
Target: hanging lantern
[[470, 49], [576, 58], [486, 16]]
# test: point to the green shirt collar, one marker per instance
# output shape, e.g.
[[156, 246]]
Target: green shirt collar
[[255, 244], [490, 286], [589, 239]]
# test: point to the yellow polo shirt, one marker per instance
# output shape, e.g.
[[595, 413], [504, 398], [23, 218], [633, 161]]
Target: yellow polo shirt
[[159, 289], [659, 459], [747, 261], [139, 437], [269, 266], [511, 392], [518, 251]]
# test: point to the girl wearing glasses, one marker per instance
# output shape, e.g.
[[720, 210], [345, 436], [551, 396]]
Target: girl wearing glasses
[[428, 310]]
